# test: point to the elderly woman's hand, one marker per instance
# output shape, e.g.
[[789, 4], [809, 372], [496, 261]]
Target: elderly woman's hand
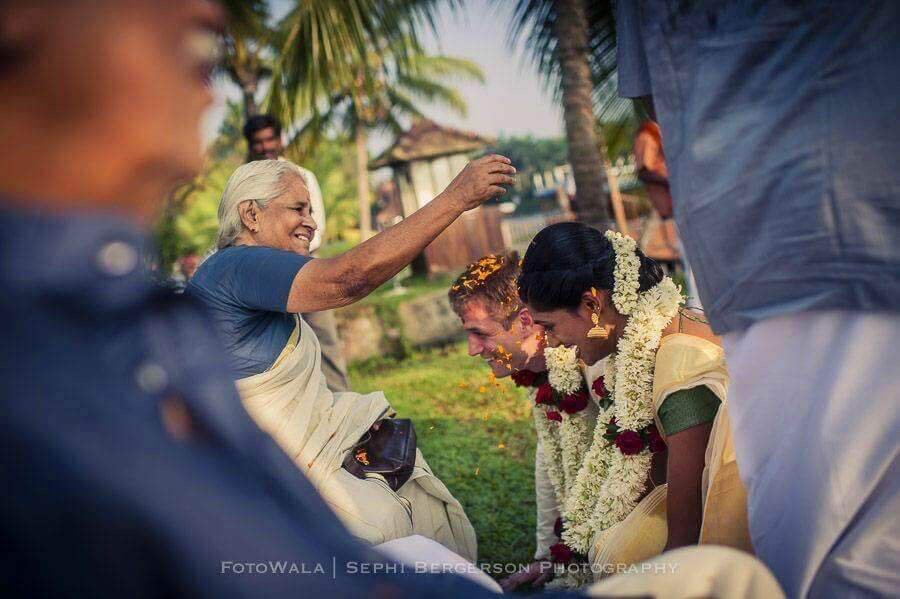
[[327, 283], [480, 181]]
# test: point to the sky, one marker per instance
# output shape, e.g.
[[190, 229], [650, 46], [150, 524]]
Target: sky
[[512, 101]]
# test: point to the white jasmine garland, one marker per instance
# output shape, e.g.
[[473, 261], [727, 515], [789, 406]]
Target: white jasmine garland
[[563, 371], [579, 506], [626, 272], [565, 442], [575, 437], [549, 436]]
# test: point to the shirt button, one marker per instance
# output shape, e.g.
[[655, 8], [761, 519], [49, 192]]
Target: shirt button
[[176, 418], [117, 258], [151, 378]]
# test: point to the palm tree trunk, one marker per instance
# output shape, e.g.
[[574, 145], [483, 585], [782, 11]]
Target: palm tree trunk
[[572, 53], [612, 181], [250, 107], [362, 184]]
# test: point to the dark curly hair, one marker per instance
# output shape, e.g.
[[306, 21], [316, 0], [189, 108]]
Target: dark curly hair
[[566, 259]]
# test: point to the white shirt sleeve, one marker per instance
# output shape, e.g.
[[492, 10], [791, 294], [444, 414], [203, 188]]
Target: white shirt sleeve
[[547, 508], [318, 208]]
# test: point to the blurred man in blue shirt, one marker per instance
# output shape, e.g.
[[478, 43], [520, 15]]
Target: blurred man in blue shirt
[[130, 467], [780, 125]]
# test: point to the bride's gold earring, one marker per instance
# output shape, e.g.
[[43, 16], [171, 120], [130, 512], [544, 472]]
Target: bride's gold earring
[[597, 332]]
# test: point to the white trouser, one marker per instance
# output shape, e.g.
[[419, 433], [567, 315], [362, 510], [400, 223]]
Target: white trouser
[[814, 413]]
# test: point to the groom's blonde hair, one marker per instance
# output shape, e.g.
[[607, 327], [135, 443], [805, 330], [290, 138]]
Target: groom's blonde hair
[[491, 279]]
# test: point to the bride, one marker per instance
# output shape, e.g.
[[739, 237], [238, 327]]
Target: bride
[[657, 471]]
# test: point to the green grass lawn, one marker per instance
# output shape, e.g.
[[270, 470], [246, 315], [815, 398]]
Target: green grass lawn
[[477, 436]]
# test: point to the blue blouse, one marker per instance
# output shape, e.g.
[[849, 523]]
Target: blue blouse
[[246, 289]]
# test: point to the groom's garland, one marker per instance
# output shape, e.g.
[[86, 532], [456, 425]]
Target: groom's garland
[[564, 429], [600, 482], [562, 425]]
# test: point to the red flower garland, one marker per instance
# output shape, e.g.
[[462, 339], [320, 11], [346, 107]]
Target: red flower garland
[[573, 403], [629, 442], [524, 378], [633, 442], [654, 440], [544, 395], [570, 403], [560, 553]]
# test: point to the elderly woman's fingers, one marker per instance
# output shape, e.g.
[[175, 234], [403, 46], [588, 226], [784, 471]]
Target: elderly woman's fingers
[[503, 180], [495, 158], [503, 167]]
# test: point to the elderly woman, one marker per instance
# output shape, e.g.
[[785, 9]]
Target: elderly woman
[[257, 282]]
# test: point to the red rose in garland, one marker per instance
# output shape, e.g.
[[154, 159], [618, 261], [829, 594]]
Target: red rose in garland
[[558, 527], [654, 440], [629, 442], [554, 415], [560, 553], [574, 402], [544, 394], [599, 387], [524, 378]]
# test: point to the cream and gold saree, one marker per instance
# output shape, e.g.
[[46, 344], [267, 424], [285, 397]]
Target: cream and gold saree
[[684, 362], [317, 428]]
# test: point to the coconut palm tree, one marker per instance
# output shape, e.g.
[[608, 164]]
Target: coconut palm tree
[[247, 48], [315, 43], [572, 43], [321, 43], [381, 92]]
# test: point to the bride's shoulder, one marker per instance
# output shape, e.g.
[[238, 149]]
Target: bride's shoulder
[[691, 323], [681, 355]]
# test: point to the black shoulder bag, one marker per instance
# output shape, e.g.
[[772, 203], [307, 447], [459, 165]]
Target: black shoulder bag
[[389, 451]]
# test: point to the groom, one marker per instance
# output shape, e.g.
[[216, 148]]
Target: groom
[[500, 330]]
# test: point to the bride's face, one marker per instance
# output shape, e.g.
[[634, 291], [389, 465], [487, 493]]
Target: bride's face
[[570, 326]]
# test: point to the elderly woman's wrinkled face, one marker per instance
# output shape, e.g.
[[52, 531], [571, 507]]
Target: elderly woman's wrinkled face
[[286, 223]]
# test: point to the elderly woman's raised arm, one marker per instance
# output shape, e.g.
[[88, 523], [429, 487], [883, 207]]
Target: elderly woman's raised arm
[[327, 283]]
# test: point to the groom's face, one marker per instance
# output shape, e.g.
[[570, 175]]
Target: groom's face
[[506, 349]]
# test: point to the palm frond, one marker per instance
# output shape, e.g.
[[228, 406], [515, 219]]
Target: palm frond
[[322, 42], [533, 26], [433, 92]]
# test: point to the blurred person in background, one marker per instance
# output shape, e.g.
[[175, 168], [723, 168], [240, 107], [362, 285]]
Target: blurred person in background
[[650, 163], [780, 121], [263, 135], [132, 469]]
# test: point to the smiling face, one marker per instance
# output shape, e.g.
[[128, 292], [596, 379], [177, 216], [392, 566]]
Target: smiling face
[[286, 223], [570, 326], [265, 144], [505, 349]]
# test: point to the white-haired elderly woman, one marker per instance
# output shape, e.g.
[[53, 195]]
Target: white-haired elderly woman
[[261, 277]]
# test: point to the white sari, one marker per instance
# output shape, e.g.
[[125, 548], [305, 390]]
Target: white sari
[[317, 428]]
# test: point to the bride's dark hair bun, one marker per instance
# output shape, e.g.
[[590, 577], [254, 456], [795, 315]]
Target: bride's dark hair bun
[[566, 259]]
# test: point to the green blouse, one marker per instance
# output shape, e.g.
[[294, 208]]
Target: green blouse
[[687, 408]]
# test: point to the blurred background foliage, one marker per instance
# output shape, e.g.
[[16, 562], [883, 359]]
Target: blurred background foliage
[[336, 71]]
